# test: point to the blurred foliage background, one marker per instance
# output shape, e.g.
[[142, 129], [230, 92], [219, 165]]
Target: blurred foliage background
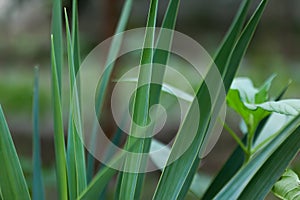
[[25, 42]]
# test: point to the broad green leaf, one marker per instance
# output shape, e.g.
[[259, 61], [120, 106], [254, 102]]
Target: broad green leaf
[[282, 148], [286, 107], [58, 40], [274, 123], [288, 186], [131, 182], [12, 181], [75, 154], [113, 51], [59, 141], [243, 93], [187, 162], [38, 186], [251, 117], [263, 91]]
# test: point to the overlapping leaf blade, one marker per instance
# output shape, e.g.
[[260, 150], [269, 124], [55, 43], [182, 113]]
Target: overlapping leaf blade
[[190, 158], [236, 160], [130, 186], [262, 182], [76, 158], [283, 143]]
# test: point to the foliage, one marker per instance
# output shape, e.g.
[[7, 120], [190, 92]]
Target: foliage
[[249, 173]]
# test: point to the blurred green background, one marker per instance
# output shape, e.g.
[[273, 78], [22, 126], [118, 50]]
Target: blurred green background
[[25, 43]]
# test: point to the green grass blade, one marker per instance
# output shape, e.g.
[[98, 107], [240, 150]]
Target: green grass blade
[[234, 31], [75, 36], [58, 41], [243, 43], [263, 181], [160, 57], [176, 181], [98, 184], [12, 181], [283, 148], [130, 186], [38, 186], [114, 49], [59, 141], [75, 156]]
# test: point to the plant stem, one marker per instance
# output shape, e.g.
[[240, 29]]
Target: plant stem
[[235, 137]]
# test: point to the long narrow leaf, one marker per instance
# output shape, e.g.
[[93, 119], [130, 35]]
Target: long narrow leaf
[[189, 159], [236, 159], [239, 182], [75, 36], [58, 42], [130, 181], [12, 181], [59, 141], [75, 156], [38, 186], [114, 49], [234, 31], [220, 60], [261, 184]]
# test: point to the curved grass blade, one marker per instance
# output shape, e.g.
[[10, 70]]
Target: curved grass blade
[[58, 42], [114, 49], [59, 141], [75, 154], [38, 186], [12, 181], [176, 181], [288, 186], [283, 145]]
